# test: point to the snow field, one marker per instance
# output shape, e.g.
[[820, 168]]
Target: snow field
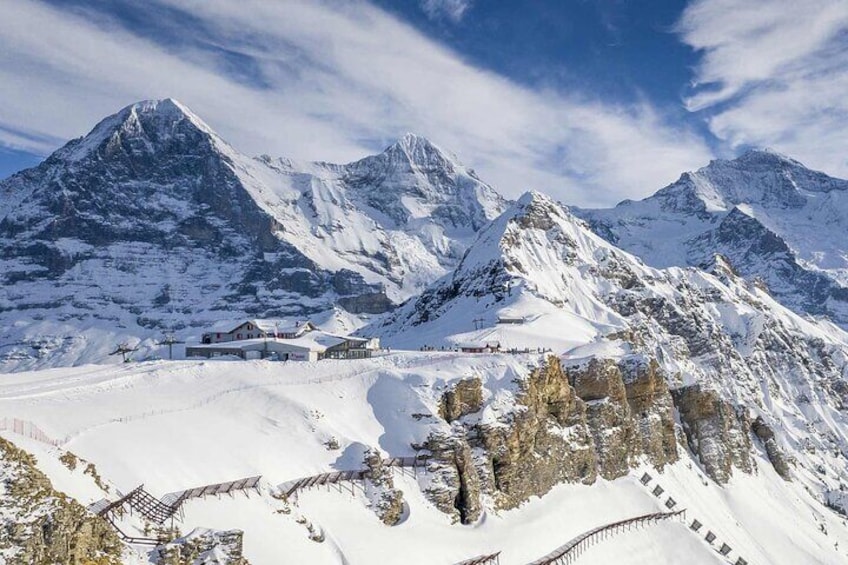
[[174, 425]]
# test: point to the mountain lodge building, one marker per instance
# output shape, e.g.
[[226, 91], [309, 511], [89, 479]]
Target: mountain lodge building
[[285, 340], [261, 329]]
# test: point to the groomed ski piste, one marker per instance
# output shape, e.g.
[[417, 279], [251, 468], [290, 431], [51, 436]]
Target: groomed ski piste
[[172, 425]]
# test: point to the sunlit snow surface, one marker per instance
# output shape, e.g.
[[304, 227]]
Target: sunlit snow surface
[[173, 425]]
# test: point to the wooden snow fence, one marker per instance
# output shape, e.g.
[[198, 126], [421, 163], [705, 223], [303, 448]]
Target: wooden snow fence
[[141, 501], [336, 478], [491, 559], [177, 498], [26, 428], [571, 551], [107, 509], [416, 462], [158, 511], [349, 477]]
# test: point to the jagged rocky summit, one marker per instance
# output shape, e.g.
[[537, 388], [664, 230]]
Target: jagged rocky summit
[[773, 220]]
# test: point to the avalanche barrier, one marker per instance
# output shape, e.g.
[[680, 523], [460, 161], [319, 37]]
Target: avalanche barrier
[[569, 552]]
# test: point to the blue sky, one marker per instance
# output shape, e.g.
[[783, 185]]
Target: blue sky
[[592, 101], [611, 47]]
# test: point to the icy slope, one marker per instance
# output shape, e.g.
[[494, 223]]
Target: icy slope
[[152, 222], [580, 296], [770, 216], [181, 424]]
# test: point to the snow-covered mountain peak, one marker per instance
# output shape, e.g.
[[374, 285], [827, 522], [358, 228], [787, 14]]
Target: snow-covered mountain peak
[[765, 157], [170, 111], [537, 204], [534, 198], [184, 226], [528, 261], [414, 179], [776, 220], [419, 152], [144, 127], [532, 211], [165, 107], [758, 177]]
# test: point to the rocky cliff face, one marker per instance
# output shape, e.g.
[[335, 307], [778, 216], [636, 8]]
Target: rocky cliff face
[[385, 499], [778, 458], [717, 432], [570, 424], [466, 397], [629, 411], [454, 484], [40, 526]]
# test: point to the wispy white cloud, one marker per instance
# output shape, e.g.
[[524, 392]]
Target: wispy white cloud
[[773, 73], [338, 81], [453, 10]]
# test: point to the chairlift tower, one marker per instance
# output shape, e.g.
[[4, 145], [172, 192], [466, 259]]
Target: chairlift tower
[[170, 340], [124, 349]]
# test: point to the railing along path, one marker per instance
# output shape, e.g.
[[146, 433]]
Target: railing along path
[[491, 559], [569, 552]]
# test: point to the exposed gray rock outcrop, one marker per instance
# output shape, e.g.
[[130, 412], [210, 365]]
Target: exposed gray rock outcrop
[[466, 397], [41, 526], [454, 484], [717, 431], [570, 425], [386, 500], [764, 433]]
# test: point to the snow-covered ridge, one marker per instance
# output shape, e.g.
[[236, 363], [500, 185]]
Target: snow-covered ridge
[[794, 236], [572, 291]]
